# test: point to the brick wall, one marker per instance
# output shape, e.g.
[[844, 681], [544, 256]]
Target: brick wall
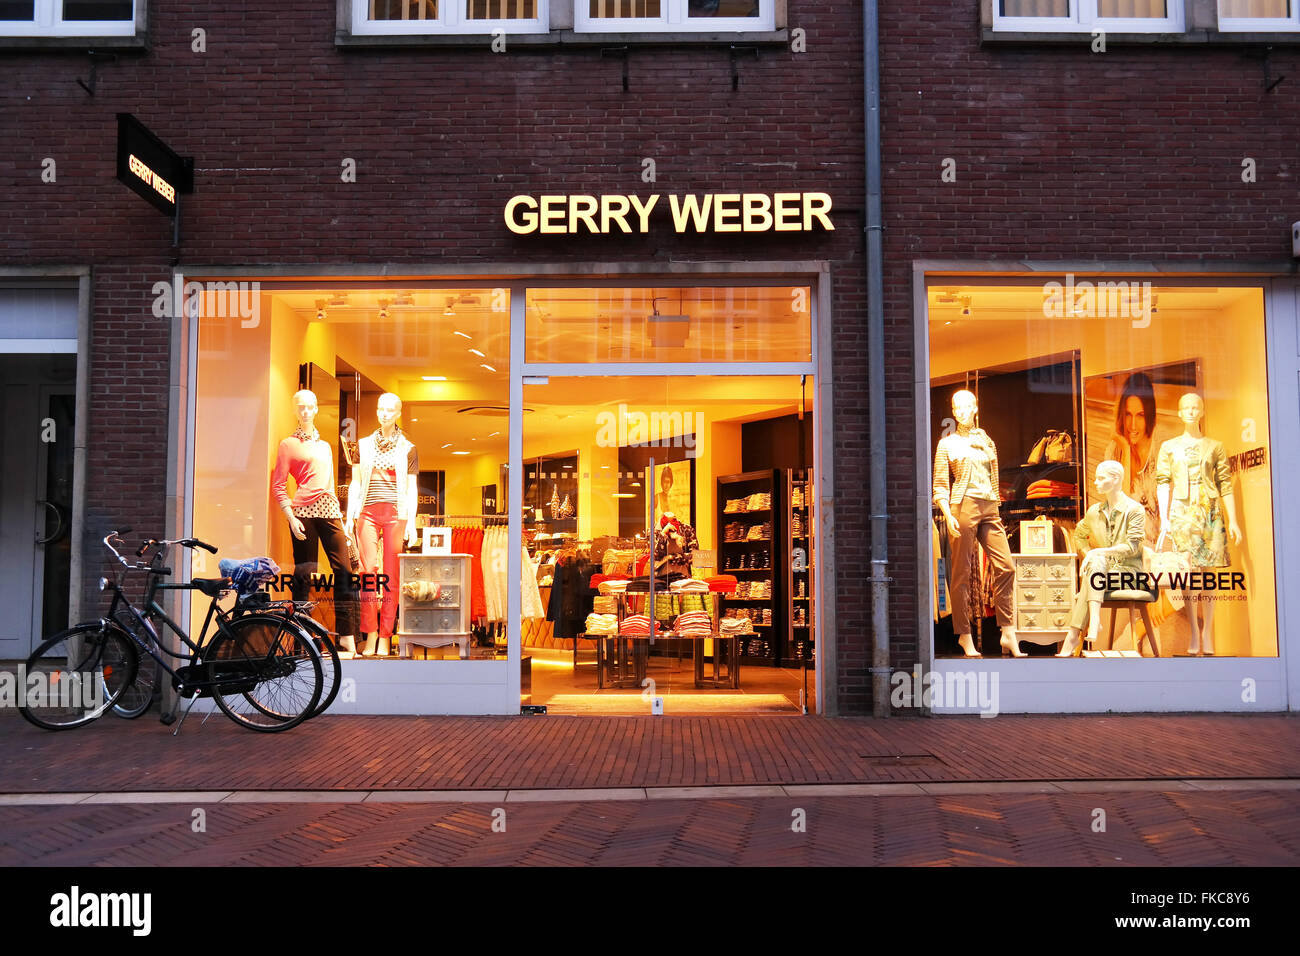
[[1063, 154], [441, 138]]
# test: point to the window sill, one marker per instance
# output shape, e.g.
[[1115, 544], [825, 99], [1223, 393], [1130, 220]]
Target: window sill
[[990, 37], [137, 42], [563, 38]]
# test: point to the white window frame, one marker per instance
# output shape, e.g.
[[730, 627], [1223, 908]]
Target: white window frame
[[674, 20], [1083, 18], [47, 22], [1261, 24], [451, 19]]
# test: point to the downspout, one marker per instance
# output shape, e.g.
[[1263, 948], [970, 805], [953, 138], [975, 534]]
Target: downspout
[[876, 366]]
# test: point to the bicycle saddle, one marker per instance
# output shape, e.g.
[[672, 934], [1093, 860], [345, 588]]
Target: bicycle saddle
[[210, 586]]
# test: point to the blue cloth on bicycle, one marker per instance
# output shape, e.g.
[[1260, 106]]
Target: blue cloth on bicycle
[[249, 575]]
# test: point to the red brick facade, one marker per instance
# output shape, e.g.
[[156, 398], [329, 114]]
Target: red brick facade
[[1132, 155], [441, 138]]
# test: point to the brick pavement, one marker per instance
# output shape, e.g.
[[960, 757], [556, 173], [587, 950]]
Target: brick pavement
[[1216, 828], [486, 753]]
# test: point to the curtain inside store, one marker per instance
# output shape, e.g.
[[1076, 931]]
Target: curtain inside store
[[1035, 8]]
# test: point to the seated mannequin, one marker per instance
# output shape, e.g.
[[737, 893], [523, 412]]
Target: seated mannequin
[[1116, 526]]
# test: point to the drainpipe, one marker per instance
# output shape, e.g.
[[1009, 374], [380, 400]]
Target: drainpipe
[[876, 366]]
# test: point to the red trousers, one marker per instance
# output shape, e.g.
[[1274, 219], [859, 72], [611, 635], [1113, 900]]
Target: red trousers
[[375, 522]]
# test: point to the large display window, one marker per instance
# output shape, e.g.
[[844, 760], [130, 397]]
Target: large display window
[[430, 462], [1100, 479]]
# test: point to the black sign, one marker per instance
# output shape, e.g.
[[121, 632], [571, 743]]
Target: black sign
[[150, 167]]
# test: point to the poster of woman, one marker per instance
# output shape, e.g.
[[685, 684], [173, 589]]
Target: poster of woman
[[673, 491]]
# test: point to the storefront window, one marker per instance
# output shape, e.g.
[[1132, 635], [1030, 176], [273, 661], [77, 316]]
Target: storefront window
[[1101, 470], [337, 428], [669, 324]]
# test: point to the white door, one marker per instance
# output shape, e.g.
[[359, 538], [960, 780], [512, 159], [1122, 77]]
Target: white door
[[36, 446]]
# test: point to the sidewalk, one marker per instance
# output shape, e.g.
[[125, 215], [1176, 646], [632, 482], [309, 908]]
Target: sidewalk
[[547, 753]]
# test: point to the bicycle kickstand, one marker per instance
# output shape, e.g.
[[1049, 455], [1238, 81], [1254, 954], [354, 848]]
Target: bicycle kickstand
[[181, 722]]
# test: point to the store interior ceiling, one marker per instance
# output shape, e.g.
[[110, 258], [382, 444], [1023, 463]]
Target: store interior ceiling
[[445, 352], [958, 310]]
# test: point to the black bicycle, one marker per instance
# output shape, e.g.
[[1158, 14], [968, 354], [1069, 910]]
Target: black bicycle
[[262, 670]]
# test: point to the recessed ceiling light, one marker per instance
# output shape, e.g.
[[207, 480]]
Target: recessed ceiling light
[[495, 434], [478, 353], [414, 420], [622, 494], [488, 367], [448, 445], [462, 335], [460, 453], [433, 378]]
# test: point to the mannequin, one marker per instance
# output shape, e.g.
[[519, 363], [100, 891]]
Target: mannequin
[[1116, 527], [314, 516], [966, 491], [381, 507], [1194, 488]]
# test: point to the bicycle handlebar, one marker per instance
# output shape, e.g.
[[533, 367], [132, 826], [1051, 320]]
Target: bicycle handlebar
[[151, 543]]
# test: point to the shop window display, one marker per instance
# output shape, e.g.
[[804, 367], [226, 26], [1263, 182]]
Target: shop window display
[[1158, 395], [348, 428]]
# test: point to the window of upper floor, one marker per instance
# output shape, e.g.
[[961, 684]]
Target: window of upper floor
[[68, 18], [625, 16], [413, 17], [1067, 16], [1259, 16]]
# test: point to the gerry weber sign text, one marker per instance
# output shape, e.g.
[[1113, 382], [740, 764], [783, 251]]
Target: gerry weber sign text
[[693, 212]]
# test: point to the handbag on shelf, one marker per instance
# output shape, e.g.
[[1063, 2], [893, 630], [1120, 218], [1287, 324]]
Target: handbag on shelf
[[1056, 447]]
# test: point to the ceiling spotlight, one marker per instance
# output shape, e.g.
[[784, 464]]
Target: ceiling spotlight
[[448, 445], [320, 310], [462, 335], [486, 366], [383, 309], [478, 353], [448, 311], [965, 305], [433, 378], [460, 453], [1154, 299]]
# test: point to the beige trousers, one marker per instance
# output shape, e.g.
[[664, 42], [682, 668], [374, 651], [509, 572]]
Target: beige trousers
[[978, 520]]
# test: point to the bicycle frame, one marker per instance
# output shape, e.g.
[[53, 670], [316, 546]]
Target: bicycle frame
[[152, 610]]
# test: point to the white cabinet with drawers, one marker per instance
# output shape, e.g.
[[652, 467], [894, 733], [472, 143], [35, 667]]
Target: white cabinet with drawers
[[1045, 585], [434, 591]]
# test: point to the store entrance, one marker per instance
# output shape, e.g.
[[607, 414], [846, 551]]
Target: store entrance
[[669, 525]]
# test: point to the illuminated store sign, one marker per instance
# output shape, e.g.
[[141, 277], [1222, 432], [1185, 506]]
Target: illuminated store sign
[[152, 169], [701, 213]]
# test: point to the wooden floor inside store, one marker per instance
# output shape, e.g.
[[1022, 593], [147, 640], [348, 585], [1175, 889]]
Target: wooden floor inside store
[[763, 690]]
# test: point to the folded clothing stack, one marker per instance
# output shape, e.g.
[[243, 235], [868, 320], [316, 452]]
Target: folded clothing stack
[[1045, 488], [605, 604], [693, 622], [734, 506], [637, 624], [758, 502], [730, 626], [688, 584], [611, 586], [598, 579], [726, 583], [796, 497], [602, 624]]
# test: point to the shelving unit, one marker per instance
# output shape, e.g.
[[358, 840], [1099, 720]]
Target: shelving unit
[[437, 614], [750, 560], [799, 645]]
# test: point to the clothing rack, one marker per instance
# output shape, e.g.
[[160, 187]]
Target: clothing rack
[[451, 520]]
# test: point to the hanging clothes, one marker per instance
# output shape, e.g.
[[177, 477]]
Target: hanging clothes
[[530, 598]]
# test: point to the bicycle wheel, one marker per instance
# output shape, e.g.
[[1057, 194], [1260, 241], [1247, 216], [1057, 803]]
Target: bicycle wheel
[[135, 700], [331, 667], [268, 673], [76, 675]]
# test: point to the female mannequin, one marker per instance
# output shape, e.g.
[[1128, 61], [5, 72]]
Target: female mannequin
[[966, 491], [1194, 487], [314, 516], [381, 505], [1116, 528]]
